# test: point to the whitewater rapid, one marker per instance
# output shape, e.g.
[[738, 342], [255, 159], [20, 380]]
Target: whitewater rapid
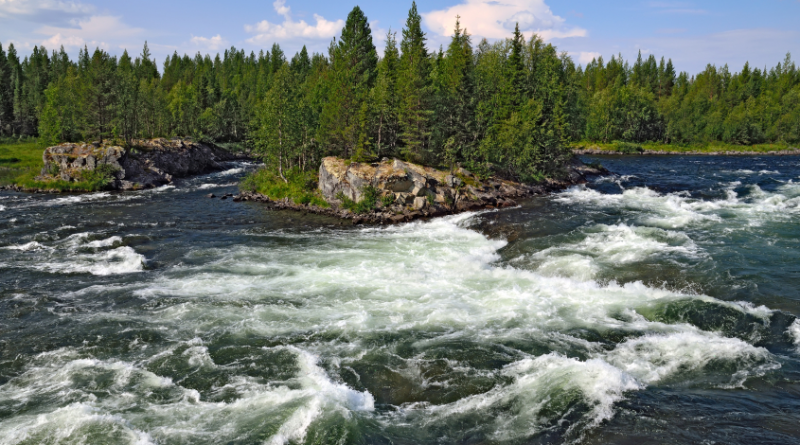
[[433, 331]]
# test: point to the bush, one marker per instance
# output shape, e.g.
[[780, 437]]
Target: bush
[[365, 205], [388, 200], [301, 188], [628, 148]]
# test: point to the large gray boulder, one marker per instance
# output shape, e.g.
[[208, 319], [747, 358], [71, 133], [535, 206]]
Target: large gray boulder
[[405, 187], [148, 163]]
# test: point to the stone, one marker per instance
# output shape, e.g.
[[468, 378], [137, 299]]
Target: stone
[[420, 202], [149, 163], [211, 195]]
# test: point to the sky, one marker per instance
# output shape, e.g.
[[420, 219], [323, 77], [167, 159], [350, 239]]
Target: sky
[[691, 33]]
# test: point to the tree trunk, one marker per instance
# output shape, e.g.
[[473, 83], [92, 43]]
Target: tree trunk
[[280, 153]]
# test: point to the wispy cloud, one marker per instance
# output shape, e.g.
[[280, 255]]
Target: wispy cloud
[[97, 30], [676, 8], [209, 43]]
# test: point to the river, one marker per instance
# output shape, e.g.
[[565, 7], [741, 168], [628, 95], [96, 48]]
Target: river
[[654, 306]]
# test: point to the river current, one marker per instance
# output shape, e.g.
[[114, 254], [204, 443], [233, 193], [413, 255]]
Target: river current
[[657, 305]]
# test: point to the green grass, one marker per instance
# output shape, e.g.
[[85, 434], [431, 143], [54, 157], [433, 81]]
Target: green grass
[[301, 189], [710, 147], [20, 161]]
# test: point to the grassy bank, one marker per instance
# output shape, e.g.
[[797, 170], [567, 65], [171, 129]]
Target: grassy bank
[[712, 147], [301, 188], [21, 162]]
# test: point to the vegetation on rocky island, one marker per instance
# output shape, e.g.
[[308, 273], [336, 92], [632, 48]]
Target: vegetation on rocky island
[[298, 186], [511, 108]]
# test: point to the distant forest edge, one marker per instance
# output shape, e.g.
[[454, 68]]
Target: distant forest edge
[[511, 107]]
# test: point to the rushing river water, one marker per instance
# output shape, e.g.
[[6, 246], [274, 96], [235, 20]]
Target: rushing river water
[[656, 306]]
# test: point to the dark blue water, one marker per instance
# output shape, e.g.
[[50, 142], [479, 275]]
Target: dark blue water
[[654, 306]]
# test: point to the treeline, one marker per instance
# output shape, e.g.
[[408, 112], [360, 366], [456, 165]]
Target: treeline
[[511, 107]]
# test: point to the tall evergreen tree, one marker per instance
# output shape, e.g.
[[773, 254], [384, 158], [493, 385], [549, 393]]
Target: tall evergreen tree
[[278, 132], [413, 88], [6, 94], [101, 94], [353, 69]]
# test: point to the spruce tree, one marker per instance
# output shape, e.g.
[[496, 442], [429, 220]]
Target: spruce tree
[[278, 130], [454, 125], [353, 69], [6, 94], [384, 97], [101, 94], [413, 88]]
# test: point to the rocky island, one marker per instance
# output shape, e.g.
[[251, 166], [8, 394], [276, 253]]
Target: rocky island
[[394, 191], [147, 163]]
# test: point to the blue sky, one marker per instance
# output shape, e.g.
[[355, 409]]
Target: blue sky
[[692, 33]]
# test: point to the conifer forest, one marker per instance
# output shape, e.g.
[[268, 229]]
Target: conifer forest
[[512, 106]]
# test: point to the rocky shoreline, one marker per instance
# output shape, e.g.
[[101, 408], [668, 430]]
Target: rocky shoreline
[[148, 163], [593, 151], [409, 192]]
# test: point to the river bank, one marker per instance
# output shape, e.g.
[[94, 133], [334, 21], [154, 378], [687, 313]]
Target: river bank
[[657, 148]]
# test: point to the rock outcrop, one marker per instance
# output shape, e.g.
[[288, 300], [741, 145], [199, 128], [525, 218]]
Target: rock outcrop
[[149, 163], [403, 191]]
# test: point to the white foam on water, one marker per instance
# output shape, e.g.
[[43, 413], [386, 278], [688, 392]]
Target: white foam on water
[[794, 333], [654, 358], [677, 210], [33, 245], [613, 245], [78, 199], [112, 262], [108, 242], [2, 207], [437, 277], [540, 390], [136, 400], [232, 171], [207, 186]]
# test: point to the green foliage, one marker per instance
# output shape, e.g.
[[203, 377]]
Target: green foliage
[[628, 147], [509, 108], [301, 187], [369, 200], [19, 161], [99, 178], [388, 200]]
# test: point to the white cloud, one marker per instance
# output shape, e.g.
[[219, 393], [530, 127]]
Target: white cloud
[[267, 32], [496, 19], [210, 43], [102, 31], [585, 57]]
